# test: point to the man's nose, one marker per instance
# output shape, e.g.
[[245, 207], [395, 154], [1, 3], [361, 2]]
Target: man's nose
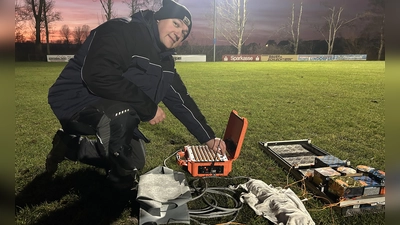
[[177, 36]]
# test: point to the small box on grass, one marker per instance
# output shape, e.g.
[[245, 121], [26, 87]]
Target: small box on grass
[[345, 187], [322, 174], [371, 187]]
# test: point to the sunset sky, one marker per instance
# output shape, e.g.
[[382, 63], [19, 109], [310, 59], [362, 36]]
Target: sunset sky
[[265, 16]]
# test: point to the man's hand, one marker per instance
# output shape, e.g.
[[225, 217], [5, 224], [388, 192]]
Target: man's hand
[[160, 116], [217, 144]]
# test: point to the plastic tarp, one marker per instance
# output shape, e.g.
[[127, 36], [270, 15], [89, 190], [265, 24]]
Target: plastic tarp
[[163, 194]]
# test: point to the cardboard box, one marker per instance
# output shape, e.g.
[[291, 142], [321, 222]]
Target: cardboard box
[[322, 175], [345, 187]]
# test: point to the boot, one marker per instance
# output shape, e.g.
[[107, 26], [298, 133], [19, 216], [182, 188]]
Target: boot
[[63, 145]]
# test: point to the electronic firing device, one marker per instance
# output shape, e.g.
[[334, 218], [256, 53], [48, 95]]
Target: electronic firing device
[[202, 161]]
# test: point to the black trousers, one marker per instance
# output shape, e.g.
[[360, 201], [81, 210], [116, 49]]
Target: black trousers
[[118, 146]]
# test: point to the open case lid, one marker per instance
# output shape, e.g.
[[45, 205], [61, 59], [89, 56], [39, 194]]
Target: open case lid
[[234, 134]]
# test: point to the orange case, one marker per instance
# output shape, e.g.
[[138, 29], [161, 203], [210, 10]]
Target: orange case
[[233, 137]]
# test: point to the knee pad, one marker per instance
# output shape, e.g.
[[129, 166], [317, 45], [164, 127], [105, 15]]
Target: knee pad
[[90, 154], [122, 126], [124, 152], [122, 161], [128, 159]]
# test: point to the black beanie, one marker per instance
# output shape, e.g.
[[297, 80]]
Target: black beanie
[[172, 9]]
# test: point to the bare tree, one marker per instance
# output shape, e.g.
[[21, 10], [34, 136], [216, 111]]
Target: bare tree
[[49, 16], [42, 12], [231, 21], [80, 34], [36, 8], [21, 16], [133, 5], [46, 24], [65, 33], [333, 23], [308, 46], [77, 35], [291, 30], [155, 5], [295, 31], [376, 15], [85, 31], [382, 39], [136, 5], [357, 44], [108, 8]]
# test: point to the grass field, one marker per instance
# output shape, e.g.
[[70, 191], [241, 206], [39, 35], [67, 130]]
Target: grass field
[[338, 105]]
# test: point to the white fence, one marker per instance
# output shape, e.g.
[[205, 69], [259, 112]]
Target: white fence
[[177, 58], [189, 58], [59, 58]]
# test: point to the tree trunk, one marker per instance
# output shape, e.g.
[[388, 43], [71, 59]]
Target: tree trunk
[[292, 30], [107, 7], [47, 28], [38, 19], [382, 39], [232, 21], [296, 35], [239, 45], [298, 29]]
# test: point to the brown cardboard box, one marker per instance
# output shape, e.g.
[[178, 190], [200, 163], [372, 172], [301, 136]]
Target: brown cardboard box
[[345, 187], [322, 174]]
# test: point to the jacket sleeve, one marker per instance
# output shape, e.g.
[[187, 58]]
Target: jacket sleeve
[[184, 108], [106, 60]]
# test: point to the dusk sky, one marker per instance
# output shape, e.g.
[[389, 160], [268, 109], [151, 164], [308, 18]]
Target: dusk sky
[[265, 16]]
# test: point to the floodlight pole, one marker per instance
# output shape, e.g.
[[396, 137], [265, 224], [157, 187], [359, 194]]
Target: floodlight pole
[[215, 29]]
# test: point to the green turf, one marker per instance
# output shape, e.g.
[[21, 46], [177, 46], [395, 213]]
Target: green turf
[[338, 105]]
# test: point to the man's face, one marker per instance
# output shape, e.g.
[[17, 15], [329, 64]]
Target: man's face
[[172, 32]]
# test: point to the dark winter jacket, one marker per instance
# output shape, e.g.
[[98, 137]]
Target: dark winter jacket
[[124, 60]]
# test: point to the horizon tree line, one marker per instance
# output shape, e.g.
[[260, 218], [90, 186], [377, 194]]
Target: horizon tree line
[[231, 23]]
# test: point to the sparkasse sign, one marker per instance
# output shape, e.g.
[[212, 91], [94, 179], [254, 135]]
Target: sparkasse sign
[[241, 58]]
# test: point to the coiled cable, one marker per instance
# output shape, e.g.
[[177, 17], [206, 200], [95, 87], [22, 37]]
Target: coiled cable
[[210, 196]]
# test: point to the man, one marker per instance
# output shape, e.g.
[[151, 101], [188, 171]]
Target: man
[[115, 81]]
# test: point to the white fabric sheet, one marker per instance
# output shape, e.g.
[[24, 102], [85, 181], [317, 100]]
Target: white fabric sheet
[[278, 205]]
